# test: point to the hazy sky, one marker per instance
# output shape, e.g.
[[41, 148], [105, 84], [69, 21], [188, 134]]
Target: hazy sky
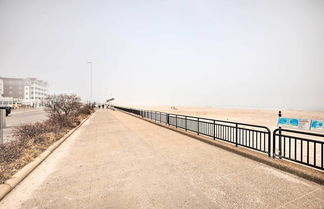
[[233, 53]]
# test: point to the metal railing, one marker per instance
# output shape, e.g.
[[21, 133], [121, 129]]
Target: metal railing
[[246, 135], [298, 146], [301, 147]]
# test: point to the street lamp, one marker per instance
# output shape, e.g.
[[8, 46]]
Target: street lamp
[[89, 62]]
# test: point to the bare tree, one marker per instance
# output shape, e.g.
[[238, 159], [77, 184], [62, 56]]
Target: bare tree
[[63, 108]]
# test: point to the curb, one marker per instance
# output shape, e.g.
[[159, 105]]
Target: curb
[[11, 183], [308, 173]]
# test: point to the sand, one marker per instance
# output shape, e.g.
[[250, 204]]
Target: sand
[[264, 117]]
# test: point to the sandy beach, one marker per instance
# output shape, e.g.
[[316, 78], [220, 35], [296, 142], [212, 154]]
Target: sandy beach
[[265, 117]]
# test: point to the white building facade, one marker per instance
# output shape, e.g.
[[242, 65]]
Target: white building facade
[[25, 91], [1, 87]]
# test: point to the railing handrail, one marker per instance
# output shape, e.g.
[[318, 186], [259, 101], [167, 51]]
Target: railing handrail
[[299, 138], [216, 120], [297, 132]]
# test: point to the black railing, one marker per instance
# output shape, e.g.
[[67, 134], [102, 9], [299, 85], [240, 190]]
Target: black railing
[[301, 147], [246, 135]]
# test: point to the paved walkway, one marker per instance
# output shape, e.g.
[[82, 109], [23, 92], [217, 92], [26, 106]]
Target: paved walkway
[[119, 161]]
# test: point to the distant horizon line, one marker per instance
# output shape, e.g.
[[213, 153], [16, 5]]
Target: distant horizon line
[[230, 107]]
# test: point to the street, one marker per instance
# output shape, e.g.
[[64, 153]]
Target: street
[[22, 117]]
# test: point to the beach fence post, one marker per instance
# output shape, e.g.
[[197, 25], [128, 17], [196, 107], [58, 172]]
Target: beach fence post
[[279, 142], [214, 130], [167, 119], [274, 145], [186, 123], [236, 134], [280, 115], [198, 126], [176, 121], [269, 143]]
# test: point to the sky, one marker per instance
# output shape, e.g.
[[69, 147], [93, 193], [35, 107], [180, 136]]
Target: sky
[[234, 53]]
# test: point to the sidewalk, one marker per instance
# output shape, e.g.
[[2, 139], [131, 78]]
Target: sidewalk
[[118, 161]]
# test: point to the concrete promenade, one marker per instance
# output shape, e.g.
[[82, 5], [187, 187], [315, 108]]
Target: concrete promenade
[[118, 161]]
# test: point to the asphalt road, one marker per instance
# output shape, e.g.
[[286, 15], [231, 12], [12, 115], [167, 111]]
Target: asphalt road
[[118, 161], [22, 117]]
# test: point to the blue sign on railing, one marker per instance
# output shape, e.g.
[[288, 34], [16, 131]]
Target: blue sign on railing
[[305, 124], [294, 123], [317, 125]]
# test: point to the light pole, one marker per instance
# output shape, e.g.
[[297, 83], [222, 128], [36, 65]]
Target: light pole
[[89, 62]]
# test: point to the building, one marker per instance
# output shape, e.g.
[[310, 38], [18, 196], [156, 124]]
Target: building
[[27, 91], [1, 87]]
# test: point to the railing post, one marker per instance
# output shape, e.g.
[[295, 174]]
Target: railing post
[[167, 119], [214, 130], [269, 144], [198, 126], [274, 144], [186, 123], [279, 115], [280, 142], [236, 135], [176, 121]]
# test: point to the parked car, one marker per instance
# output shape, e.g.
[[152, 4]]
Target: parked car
[[8, 110]]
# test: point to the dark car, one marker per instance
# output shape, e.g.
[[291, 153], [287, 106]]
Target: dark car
[[8, 110]]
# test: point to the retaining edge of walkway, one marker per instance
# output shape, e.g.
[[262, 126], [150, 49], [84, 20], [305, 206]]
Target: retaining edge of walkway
[[311, 174], [11, 183]]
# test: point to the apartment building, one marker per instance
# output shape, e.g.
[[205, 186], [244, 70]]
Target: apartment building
[[1, 87], [28, 91]]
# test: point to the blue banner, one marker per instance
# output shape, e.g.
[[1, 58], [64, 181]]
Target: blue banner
[[317, 125], [304, 124]]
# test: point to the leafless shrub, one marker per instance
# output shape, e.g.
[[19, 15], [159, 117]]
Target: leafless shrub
[[85, 109], [10, 151], [63, 109], [27, 132]]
